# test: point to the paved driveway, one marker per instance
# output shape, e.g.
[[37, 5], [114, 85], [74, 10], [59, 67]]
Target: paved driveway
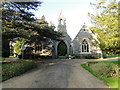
[[56, 74]]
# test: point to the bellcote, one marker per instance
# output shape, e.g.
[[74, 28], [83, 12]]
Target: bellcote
[[84, 28], [61, 23], [61, 19]]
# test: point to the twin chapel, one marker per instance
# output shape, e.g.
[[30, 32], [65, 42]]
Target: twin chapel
[[84, 44]]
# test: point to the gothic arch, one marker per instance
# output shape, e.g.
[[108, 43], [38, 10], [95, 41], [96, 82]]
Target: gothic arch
[[62, 49], [67, 47]]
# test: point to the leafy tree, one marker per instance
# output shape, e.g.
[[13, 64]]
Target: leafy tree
[[18, 45], [106, 25]]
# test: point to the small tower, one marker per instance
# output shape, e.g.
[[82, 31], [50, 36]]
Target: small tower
[[62, 23]]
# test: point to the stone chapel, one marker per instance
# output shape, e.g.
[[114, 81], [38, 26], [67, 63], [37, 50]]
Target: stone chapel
[[85, 43]]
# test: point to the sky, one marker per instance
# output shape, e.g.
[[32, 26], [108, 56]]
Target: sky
[[75, 12]]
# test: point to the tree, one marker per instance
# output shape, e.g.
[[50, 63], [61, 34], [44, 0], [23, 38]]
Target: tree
[[18, 45], [106, 25], [15, 18], [19, 21], [43, 31]]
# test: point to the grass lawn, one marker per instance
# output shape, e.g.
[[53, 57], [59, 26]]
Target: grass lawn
[[113, 56], [62, 56], [10, 57], [111, 81], [15, 68]]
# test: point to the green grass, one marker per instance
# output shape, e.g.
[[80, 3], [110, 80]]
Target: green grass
[[112, 82], [113, 56], [10, 57], [16, 68], [91, 71], [62, 56], [114, 62]]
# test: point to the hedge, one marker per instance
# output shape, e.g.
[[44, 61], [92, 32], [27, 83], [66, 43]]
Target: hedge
[[16, 68]]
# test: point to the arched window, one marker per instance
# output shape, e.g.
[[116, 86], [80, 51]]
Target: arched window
[[85, 46]]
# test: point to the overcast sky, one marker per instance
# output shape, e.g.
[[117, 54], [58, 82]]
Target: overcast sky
[[75, 12]]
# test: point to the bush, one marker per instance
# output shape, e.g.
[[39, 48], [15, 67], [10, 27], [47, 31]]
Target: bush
[[76, 57], [29, 56], [90, 57], [34, 56], [16, 68], [84, 57], [105, 69]]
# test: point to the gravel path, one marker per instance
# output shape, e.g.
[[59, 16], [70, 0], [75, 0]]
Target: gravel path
[[56, 74]]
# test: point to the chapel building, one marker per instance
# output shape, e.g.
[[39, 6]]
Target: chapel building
[[84, 44]]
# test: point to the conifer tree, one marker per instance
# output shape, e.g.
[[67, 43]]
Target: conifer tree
[[19, 22]]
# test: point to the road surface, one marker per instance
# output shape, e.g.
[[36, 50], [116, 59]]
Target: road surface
[[56, 74]]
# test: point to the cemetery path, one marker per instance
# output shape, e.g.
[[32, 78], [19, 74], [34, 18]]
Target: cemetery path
[[56, 74]]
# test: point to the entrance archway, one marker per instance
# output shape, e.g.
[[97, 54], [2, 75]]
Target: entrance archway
[[62, 48]]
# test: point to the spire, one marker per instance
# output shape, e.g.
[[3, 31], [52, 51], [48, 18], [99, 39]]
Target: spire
[[62, 23], [61, 16]]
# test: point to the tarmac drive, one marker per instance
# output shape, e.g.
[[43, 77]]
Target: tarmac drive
[[56, 74]]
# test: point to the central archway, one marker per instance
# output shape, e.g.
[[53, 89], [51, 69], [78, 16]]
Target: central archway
[[62, 48]]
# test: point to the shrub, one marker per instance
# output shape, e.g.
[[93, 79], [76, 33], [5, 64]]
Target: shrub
[[17, 47], [76, 57], [29, 56], [84, 57], [90, 57], [16, 68], [105, 69]]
